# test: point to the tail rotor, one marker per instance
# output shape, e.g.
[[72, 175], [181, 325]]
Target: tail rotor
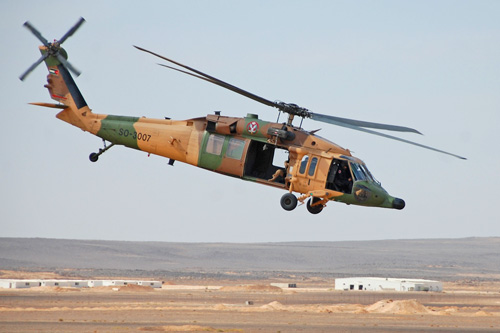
[[53, 49]]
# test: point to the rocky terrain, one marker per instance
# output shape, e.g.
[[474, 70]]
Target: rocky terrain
[[442, 259]]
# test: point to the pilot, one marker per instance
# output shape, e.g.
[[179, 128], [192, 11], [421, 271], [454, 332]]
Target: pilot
[[343, 180]]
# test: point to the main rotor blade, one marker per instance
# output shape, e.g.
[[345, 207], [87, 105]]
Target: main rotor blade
[[213, 80], [357, 128], [328, 119], [36, 33], [225, 85], [186, 72], [72, 30], [302, 112], [68, 65], [32, 67]]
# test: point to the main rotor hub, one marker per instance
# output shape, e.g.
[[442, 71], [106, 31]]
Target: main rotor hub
[[293, 109]]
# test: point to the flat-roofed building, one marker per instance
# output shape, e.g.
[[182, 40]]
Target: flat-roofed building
[[387, 284]]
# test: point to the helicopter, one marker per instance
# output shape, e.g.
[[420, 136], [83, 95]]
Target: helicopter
[[315, 168]]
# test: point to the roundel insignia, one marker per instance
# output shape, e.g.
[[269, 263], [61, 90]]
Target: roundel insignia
[[253, 127]]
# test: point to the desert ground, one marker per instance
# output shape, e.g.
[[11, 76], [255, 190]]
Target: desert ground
[[225, 287], [246, 306]]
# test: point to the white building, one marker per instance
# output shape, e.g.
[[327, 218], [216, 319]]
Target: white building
[[54, 283], [96, 283], [387, 284], [152, 284], [284, 285], [18, 283], [65, 283], [114, 283], [118, 283]]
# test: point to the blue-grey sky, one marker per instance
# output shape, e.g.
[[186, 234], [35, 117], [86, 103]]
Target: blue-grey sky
[[430, 65]]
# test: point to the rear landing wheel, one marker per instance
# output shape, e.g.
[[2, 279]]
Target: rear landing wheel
[[314, 209], [288, 201], [93, 157]]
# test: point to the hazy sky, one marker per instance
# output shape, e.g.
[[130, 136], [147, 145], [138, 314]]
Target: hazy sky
[[430, 65]]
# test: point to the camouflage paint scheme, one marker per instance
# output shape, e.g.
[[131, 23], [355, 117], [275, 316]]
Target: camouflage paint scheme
[[227, 145]]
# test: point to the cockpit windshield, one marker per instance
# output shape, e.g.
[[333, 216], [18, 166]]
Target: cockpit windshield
[[361, 172], [365, 168]]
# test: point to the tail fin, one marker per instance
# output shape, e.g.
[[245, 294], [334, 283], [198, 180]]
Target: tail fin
[[63, 89], [60, 83]]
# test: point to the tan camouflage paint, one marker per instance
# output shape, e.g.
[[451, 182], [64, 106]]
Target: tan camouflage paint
[[182, 141]]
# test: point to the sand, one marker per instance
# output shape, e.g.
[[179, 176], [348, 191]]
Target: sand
[[242, 307]]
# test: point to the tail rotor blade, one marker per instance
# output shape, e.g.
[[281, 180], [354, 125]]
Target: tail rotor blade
[[32, 67], [68, 65], [72, 30], [36, 33]]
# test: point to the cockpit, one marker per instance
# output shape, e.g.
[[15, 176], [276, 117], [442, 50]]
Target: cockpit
[[344, 172]]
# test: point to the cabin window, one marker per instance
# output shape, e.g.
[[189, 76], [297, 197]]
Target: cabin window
[[303, 164], [235, 148], [312, 167], [214, 144]]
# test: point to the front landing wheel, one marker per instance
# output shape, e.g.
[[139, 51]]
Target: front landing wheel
[[314, 209], [288, 201]]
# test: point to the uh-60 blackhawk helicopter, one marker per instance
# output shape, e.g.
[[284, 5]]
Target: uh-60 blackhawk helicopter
[[316, 168]]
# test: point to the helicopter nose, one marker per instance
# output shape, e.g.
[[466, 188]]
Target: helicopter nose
[[398, 203]]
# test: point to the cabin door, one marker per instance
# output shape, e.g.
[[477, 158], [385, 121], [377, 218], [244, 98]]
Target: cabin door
[[310, 173], [266, 162]]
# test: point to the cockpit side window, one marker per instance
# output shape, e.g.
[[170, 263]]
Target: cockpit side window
[[361, 172], [303, 164], [369, 174], [339, 177], [358, 172]]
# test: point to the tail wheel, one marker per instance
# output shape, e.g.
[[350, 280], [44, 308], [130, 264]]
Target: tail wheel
[[93, 157], [314, 209], [288, 201]]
